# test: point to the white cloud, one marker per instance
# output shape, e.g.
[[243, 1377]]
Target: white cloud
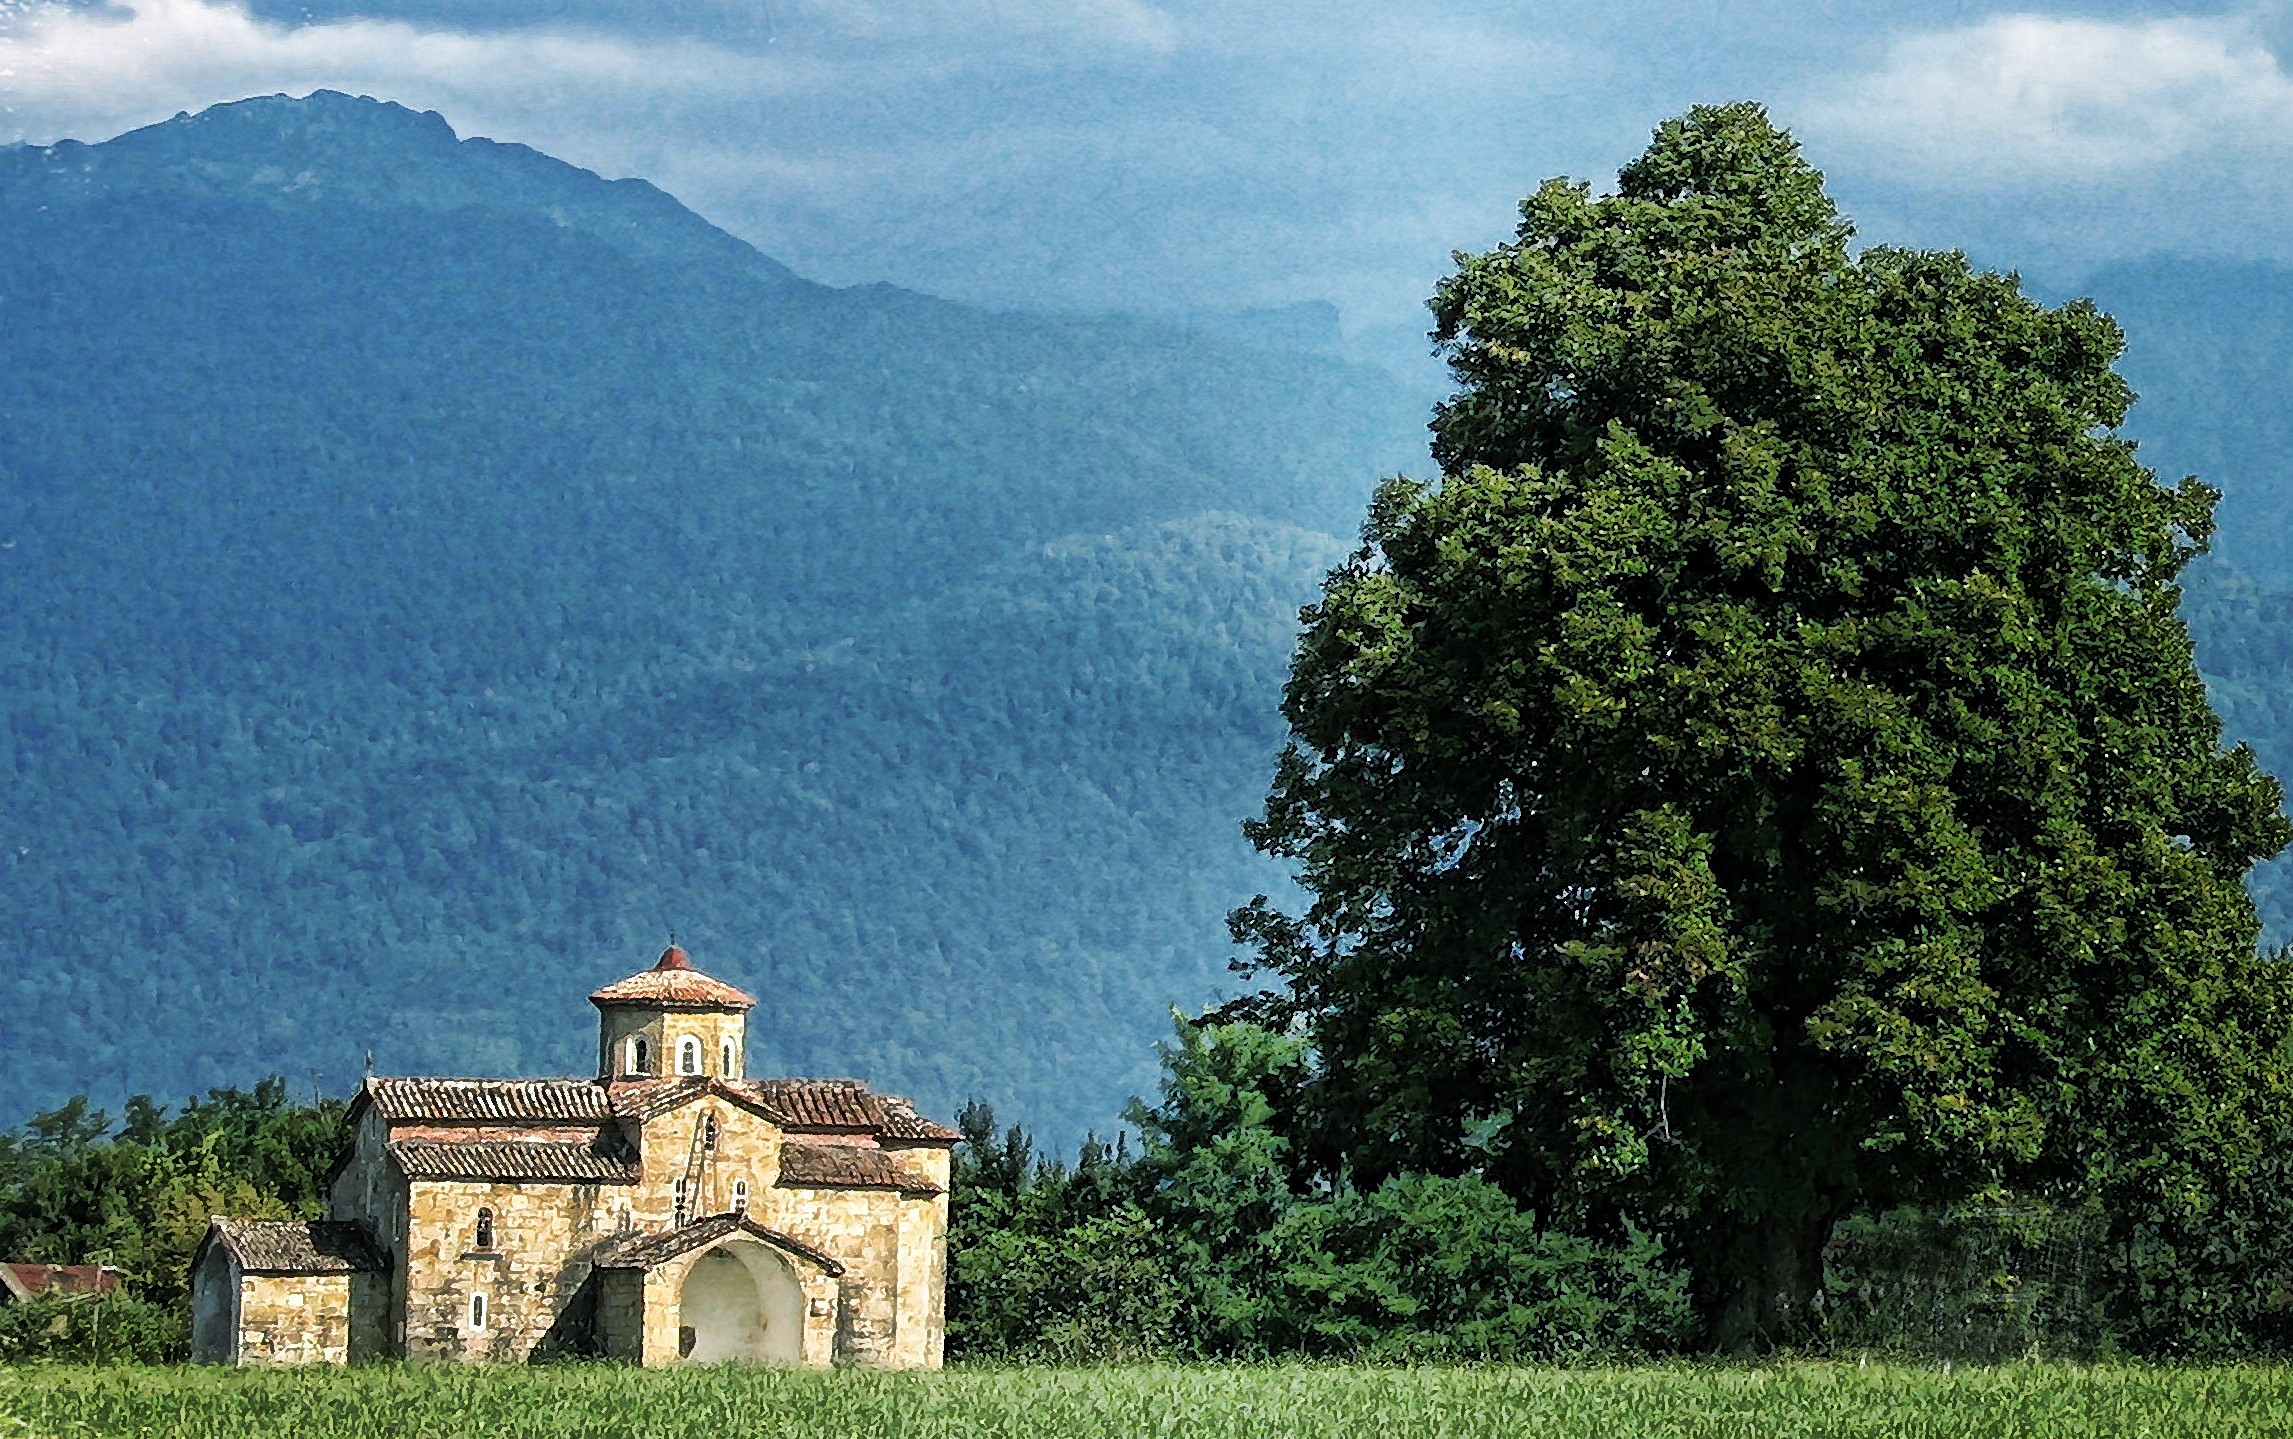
[[2023, 98], [88, 73]]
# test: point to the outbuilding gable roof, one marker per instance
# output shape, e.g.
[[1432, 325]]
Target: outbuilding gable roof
[[647, 1251], [295, 1246]]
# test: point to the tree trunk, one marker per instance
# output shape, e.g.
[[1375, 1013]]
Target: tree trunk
[[1770, 1291]]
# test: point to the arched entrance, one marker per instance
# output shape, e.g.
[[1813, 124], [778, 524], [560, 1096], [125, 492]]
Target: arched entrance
[[741, 1300]]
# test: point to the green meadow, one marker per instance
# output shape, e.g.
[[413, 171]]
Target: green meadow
[[1277, 1402]]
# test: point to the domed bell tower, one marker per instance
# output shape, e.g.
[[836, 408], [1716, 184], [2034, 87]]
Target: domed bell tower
[[671, 1021]]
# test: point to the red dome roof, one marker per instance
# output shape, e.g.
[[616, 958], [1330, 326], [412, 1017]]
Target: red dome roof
[[673, 983]]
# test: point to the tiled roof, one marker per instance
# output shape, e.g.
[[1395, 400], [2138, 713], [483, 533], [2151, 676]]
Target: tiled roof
[[820, 1103], [645, 1251], [643, 1099], [601, 1162], [848, 1166], [518, 1101], [849, 1105], [25, 1280], [297, 1246], [902, 1122], [673, 984], [842, 1106]]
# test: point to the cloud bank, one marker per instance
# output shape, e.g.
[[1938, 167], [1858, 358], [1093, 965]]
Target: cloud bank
[[1183, 154], [2033, 99], [81, 72]]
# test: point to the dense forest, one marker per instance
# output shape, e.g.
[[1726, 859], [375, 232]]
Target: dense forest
[[429, 573]]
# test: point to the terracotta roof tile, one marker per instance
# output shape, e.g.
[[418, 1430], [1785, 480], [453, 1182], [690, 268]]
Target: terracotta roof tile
[[62, 1278], [836, 1106], [530, 1101], [297, 1246], [600, 1162], [645, 1251], [643, 1099], [848, 1166], [673, 984], [820, 1103], [901, 1121], [847, 1105]]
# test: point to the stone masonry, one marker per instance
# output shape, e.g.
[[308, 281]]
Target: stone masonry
[[649, 1215]]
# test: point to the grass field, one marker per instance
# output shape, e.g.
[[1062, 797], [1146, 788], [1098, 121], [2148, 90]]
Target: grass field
[[1787, 1399]]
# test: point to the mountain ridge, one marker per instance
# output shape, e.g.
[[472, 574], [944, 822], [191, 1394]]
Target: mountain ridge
[[414, 608]]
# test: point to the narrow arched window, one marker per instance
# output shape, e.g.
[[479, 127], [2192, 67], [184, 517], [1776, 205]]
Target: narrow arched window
[[709, 1132], [477, 1311], [640, 1055], [740, 1196], [485, 1229], [725, 1055], [680, 1220], [688, 1055]]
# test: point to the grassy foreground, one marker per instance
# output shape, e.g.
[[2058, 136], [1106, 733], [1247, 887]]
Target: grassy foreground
[[2043, 1401]]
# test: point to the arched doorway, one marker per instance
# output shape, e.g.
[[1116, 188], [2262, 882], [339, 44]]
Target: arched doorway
[[741, 1300]]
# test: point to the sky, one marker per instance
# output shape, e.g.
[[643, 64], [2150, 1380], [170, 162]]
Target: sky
[[1190, 156]]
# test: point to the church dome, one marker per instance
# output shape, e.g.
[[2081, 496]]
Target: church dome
[[673, 983]]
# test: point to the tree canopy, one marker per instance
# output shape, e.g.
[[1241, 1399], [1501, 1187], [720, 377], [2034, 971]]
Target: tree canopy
[[1766, 775]]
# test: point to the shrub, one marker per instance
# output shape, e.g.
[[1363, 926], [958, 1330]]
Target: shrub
[[1427, 1267], [90, 1329]]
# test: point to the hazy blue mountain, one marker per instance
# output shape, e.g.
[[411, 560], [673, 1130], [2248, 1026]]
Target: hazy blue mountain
[[429, 573], [2210, 349]]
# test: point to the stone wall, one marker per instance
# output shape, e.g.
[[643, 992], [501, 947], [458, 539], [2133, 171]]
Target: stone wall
[[370, 1190], [861, 1227], [661, 1303], [674, 1146], [620, 1315], [890, 1307], [294, 1319], [923, 1260], [532, 1277], [662, 1030]]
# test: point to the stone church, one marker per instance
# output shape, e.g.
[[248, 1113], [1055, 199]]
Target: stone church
[[671, 1209]]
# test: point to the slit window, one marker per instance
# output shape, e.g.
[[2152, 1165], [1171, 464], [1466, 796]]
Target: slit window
[[485, 1228], [680, 1222], [709, 1133], [477, 1311], [688, 1055], [740, 1196], [640, 1055], [725, 1055]]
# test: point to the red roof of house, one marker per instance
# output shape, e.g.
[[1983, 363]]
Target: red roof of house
[[673, 983], [33, 1279]]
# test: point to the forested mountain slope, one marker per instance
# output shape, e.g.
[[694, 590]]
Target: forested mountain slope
[[429, 573], [2210, 349]]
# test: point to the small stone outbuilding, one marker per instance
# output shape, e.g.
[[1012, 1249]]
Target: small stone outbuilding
[[672, 1209], [284, 1292]]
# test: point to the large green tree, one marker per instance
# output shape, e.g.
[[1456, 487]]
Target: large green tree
[[1766, 774]]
